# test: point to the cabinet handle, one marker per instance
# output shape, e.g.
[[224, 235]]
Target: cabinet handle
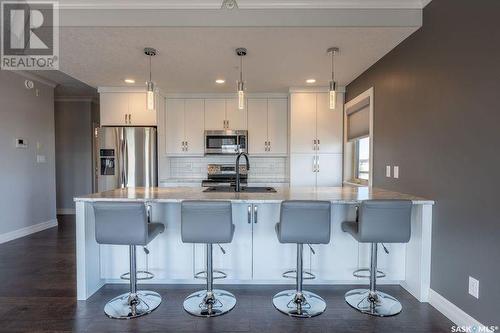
[[187, 146], [182, 145], [129, 118], [227, 123], [314, 163], [317, 146], [249, 217], [317, 163], [314, 144], [126, 118], [268, 145], [255, 214]]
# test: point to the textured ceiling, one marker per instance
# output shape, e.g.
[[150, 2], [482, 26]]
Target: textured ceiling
[[190, 59]]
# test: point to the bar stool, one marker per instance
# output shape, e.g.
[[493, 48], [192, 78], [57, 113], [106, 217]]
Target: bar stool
[[208, 222], [302, 222], [126, 223], [378, 221]]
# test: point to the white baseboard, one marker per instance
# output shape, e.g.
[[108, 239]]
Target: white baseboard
[[66, 211], [453, 312], [8, 236]]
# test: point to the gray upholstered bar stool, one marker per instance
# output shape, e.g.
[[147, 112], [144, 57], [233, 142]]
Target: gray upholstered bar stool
[[378, 221], [126, 223], [208, 222], [302, 222]]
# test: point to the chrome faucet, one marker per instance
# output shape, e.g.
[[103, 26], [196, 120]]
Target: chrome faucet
[[237, 185]]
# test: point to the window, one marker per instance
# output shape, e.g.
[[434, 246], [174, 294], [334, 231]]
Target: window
[[362, 160]]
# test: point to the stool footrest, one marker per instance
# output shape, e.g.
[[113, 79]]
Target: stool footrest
[[217, 275], [141, 275], [292, 274], [365, 273]]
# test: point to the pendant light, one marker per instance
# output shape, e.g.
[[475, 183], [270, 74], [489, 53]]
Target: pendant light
[[333, 84], [150, 92], [241, 52]]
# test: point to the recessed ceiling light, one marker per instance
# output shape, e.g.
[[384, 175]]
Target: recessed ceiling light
[[220, 81], [129, 81], [310, 80]]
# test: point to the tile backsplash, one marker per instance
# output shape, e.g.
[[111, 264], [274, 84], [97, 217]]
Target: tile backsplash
[[271, 169]]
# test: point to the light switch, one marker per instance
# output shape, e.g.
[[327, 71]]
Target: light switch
[[40, 159], [396, 171], [388, 171]]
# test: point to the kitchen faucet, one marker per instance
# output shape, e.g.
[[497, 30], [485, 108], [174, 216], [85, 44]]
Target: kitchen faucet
[[237, 185]]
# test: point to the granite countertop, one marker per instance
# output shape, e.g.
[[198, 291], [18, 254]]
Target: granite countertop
[[345, 194]]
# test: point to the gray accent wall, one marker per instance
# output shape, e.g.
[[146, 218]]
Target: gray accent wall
[[27, 195], [437, 116], [73, 132]]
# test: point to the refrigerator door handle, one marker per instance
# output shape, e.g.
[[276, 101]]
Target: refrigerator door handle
[[125, 163]]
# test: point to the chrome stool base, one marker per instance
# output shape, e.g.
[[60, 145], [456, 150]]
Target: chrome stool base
[[294, 304], [122, 307], [383, 305], [200, 304]]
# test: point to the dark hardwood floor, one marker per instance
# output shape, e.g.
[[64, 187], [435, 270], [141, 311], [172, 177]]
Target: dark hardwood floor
[[37, 294]]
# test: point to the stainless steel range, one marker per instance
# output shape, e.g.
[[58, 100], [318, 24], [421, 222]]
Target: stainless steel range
[[224, 175]]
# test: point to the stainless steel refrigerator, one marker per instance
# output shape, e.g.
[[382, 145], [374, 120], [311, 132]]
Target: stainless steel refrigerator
[[125, 157]]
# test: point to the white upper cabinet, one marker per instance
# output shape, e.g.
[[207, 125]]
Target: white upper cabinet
[[125, 108], [194, 126], [329, 124], [174, 124], [267, 126], [114, 109], [236, 118], [303, 123], [257, 126], [316, 136], [215, 114], [184, 127], [224, 114], [277, 126]]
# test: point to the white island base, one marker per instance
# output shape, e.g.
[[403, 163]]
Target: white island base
[[255, 256]]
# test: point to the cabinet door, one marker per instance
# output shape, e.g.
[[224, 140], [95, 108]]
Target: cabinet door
[[169, 257], [194, 126], [329, 124], [302, 170], [237, 119], [303, 122], [270, 258], [139, 115], [257, 126], [329, 170], [338, 259], [215, 114], [237, 262], [277, 125], [174, 126], [113, 108]]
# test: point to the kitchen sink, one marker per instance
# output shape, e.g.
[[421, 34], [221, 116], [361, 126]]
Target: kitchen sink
[[244, 189]]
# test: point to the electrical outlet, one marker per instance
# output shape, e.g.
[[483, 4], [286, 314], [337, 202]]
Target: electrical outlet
[[396, 171], [473, 287], [388, 171]]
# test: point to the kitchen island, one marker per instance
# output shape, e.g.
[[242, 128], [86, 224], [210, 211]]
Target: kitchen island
[[255, 256]]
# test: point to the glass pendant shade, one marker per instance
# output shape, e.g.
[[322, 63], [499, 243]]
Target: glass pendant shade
[[333, 95], [241, 96], [150, 97]]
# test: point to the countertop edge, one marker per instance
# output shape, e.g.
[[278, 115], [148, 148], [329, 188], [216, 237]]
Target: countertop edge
[[263, 201]]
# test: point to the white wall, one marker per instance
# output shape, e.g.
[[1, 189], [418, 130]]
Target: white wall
[[28, 195]]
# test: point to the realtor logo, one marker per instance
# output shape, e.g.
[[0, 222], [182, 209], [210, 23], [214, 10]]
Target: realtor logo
[[30, 35]]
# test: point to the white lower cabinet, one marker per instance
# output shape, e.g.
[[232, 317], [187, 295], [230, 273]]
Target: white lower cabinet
[[237, 261], [255, 253], [271, 258]]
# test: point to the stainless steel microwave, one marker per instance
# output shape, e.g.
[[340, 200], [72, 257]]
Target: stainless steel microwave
[[225, 142]]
